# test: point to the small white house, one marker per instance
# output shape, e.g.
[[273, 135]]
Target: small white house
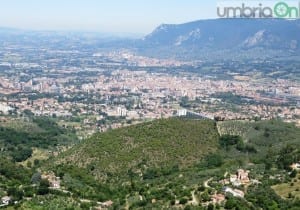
[[295, 166], [5, 200], [234, 192], [5, 108], [181, 112]]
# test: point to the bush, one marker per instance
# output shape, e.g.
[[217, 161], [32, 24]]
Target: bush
[[229, 140], [183, 201], [293, 174], [205, 197], [210, 207], [44, 187], [214, 160], [201, 188], [172, 203]]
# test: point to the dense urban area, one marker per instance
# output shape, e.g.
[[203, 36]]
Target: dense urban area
[[94, 91]]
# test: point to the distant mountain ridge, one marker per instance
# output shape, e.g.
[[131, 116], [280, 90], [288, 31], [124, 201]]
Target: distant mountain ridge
[[226, 34], [212, 39]]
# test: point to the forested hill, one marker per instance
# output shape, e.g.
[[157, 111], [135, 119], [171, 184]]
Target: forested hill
[[164, 164], [168, 164], [157, 144]]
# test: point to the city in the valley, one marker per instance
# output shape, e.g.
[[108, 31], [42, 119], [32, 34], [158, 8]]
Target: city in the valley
[[98, 91]]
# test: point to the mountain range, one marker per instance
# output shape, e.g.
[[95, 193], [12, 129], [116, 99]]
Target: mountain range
[[223, 38], [223, 34]]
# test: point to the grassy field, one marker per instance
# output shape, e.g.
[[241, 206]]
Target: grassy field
[[264, 135], [286, 190], [37, 154], [21, 125]]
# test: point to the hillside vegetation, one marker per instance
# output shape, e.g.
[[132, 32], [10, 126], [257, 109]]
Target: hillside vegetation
[[268, 142], [158, 144], [164, 164], [18, 137]]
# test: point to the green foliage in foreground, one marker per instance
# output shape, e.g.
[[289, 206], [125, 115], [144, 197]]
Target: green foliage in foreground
[[10, 172], [167, 160], [17, 142], [159, 164], [51, 202], [158, 144]]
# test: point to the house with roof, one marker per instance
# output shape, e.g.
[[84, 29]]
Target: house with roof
[[218, 198], [234, 192], [295, 166], [5, 200], [54, 181], [240, 178]]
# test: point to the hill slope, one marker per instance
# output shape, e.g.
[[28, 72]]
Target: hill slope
[[158, 144], [18, 137], [228, 33], [177, 163], [233, 35]]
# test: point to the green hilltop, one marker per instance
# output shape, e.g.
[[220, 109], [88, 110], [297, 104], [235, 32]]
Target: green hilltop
[[157, 144]]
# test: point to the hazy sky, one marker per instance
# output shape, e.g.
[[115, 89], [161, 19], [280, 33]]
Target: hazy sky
[[133, 16]]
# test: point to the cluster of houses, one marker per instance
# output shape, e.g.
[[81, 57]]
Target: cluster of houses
[[55, 183], [240, 178]]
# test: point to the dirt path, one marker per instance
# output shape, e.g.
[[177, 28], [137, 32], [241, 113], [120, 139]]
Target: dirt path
[[195, 201], [206, 183]]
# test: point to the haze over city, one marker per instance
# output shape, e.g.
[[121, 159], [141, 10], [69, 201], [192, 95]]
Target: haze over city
[[113, 16]]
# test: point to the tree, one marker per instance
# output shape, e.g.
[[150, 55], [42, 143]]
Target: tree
[[29, 164], [183, 201], [229, 140], [293, 174], [22, 154], [36, 162], [28, 112], [230, 204], [214, 160], [286, 157], [16, 193], [205, 197], [36, 178], [210, 207], [44, 187]]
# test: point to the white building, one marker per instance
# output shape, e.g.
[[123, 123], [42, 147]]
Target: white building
[[122, 112], [133, 115], [5, 108], [5, 200], [181, 112], [295, 166], [234, 192]]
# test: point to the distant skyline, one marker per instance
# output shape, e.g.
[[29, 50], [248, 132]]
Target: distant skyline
[[111, 16]]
